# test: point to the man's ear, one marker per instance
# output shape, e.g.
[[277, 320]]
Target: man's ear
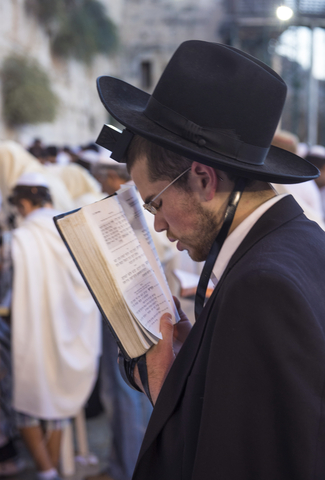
[[204, 180]]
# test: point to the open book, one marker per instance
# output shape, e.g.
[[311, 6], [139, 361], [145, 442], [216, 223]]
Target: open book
[[111, 245]]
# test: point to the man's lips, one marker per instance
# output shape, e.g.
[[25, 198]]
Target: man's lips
[[179, 245]]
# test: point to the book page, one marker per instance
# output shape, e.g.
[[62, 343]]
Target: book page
[[128, 263], [133, 210], [76, 232]]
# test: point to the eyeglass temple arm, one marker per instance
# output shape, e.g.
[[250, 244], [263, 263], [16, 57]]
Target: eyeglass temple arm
[[175, 179]]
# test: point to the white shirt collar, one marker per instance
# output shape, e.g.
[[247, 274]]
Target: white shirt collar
[[233, 241]]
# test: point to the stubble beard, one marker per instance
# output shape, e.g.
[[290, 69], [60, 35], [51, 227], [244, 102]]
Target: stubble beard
[[205, 230]]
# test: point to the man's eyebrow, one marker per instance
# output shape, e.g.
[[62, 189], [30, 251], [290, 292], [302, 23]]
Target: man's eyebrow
[[149, 198]]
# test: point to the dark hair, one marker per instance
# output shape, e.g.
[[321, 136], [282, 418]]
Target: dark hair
[[103, 169], [38, 196], [91, 146], [163, 164], [51, 150]]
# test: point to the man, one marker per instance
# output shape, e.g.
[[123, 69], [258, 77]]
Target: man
[[55, 328], [110, 174], [307, 194], [10, 461], [37, 149], [16, 160], [316, 155], [242, 397]]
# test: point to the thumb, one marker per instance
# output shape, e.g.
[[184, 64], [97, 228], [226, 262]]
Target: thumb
[[160, 357], [167, 328]]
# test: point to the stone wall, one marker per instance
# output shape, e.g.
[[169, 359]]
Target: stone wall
[[81, 113], [152, 30], [149, 31]]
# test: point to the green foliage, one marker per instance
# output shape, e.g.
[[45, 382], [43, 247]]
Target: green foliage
[[79, 28], [26, 92], [103, 29], [45, 10]]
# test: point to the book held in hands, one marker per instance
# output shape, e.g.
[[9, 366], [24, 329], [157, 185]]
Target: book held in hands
[[111, 245]]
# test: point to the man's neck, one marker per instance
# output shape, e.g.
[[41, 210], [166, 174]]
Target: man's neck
[[249, 202], [30, 208]]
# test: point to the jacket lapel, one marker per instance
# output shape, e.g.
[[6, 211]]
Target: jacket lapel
[[280, 213]]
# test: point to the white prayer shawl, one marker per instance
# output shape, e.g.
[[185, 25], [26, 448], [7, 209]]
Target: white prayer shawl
[[14, 161], [55, 324]]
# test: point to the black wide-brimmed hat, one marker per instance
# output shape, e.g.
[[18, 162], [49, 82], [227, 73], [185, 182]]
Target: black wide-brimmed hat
[[213, 104]]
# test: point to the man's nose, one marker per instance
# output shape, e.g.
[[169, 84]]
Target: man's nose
[[160, 223]]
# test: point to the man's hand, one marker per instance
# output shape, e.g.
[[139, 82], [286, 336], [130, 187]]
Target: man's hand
[[160, 357], [181, 329]]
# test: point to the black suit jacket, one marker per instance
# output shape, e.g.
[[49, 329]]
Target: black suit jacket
[[244, 399]]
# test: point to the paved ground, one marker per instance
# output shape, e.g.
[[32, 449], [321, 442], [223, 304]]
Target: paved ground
[[99, 443]]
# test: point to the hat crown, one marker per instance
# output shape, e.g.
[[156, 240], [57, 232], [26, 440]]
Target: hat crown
[[213, 104], [218, 86]]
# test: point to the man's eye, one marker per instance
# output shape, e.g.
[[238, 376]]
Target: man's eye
[[157, 205]]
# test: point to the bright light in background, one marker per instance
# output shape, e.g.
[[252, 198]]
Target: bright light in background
[[295, 43], [284, 13], [319, 52]]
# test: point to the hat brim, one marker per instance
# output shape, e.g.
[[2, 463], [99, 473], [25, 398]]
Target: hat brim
[[127, 104]]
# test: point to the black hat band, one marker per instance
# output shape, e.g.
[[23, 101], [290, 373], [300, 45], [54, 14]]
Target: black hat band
[[224, 142]]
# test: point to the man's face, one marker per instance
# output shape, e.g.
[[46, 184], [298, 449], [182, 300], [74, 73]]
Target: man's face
[[24, 207], [180, 214]]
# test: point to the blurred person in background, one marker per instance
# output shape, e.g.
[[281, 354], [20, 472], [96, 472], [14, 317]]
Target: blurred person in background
[[87, 158], [83, 188], [128, 413], [10, 461], [64, 156], [316, 156], [15, 160], [37, 149], [55, 327], [51, 152], [110, 174], [307, 194], [87, 155]]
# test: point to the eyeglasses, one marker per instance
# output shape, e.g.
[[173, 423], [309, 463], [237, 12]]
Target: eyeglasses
[[149, 206]]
